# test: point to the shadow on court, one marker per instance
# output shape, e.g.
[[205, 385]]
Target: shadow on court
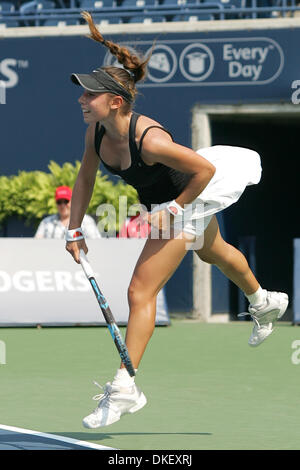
[[87, 436]]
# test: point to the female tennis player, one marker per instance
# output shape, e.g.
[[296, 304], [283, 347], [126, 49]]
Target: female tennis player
[[175, 184]]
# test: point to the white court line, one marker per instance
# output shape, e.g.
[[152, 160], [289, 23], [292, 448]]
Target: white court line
[[56, 437]]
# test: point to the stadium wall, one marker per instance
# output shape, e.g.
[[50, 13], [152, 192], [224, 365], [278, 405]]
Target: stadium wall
[[219, 70]]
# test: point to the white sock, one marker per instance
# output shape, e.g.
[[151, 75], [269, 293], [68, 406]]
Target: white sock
[[258, 298], [123, 379]]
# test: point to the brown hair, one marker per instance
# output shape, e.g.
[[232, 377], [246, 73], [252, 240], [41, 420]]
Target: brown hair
[[134, 67]]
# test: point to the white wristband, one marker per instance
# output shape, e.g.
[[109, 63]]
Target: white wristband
[[74, 235], [175, 209]]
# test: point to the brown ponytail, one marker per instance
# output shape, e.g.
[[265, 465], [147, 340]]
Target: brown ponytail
[[134, 67]]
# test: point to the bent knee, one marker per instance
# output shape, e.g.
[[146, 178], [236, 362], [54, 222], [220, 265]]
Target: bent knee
[[139, 294]]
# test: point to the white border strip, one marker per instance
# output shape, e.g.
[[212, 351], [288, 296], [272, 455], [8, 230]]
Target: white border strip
[[56, 437], [155, 28]]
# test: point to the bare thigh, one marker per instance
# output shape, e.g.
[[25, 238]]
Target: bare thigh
[[215, 248], [156, 264]]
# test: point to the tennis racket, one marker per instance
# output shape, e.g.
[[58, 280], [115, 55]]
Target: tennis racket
[[111, 323]]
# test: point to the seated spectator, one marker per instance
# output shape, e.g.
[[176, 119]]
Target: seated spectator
[[54, 226]]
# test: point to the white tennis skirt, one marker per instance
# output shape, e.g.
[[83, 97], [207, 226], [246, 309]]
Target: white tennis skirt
[[236, 168]]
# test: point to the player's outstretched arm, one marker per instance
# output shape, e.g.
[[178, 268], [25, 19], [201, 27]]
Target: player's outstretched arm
[[82, 193]]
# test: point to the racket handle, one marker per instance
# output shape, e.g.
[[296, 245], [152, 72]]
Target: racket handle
[[85, 264]]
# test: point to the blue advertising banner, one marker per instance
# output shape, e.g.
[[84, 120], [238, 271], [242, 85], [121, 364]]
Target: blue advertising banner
[[41, 119], [212, 62]]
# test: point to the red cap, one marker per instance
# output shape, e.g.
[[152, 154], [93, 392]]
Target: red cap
[[63, 192]]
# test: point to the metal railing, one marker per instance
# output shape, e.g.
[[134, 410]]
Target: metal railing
[[34, 16]]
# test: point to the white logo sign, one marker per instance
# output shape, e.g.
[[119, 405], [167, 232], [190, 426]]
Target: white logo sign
[[196, 62], [214, 62], [7, 70], [8, 73], [240, 60], [162, 65], [2, 352], [43, 281], [2, 93]]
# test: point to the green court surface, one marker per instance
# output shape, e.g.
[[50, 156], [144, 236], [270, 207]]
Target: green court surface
[[206, 388]]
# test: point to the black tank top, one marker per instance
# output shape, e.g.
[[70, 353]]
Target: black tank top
[[155, 184]]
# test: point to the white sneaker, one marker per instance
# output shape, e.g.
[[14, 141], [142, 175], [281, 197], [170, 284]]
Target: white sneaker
[[266, 315], [113, 403]]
